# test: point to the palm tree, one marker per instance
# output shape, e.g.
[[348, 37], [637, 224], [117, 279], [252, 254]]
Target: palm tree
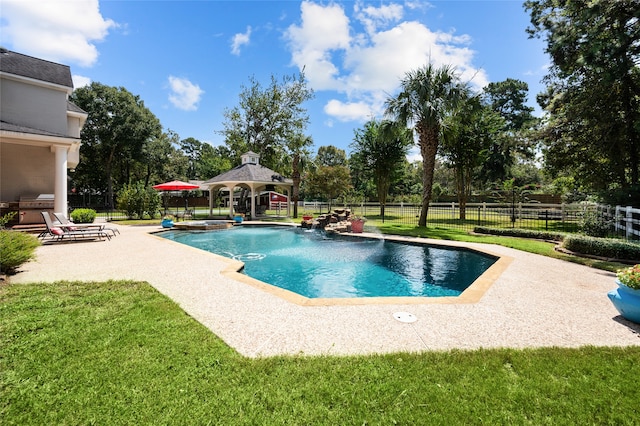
[[427, 96], [382, 146]]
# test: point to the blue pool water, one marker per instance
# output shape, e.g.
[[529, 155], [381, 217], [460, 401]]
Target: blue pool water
[[315, 265]]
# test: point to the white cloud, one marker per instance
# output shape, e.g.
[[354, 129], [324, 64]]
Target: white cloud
[[63, 31], [80, 81], [367, 66], [240, 40], [184, 94], [348, 111], [324, 29], [373, 17]]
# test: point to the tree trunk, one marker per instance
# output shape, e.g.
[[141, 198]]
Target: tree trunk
[[631, 133], [428, 139], [462, 193], [383, 184], [296, 195], [295, 176]]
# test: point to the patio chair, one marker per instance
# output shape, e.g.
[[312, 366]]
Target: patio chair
[[187, 214], [67, 224], [59, 233]]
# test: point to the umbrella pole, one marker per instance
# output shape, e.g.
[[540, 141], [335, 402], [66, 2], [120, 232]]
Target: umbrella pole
[[164, 198]]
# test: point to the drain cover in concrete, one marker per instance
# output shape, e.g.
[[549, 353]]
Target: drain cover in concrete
[[405, 317]]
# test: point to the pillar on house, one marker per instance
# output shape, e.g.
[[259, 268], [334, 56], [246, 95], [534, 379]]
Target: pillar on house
[[60, 183]]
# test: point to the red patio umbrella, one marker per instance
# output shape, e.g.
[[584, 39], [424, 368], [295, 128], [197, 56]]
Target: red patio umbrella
[[175, 185]]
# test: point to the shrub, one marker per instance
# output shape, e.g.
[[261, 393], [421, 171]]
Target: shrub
[[83, 215], [6, 218], [595, 225], [520, 233], [16, 248], [602, 247], [136, 201]]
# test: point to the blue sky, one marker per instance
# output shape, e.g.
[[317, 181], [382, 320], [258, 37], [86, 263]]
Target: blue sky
[[188, 60]]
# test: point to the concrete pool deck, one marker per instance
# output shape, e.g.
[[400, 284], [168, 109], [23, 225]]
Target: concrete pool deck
[[535, 302]]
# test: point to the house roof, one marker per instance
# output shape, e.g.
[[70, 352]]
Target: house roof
[[17, 128], [38, 69], [74, 108], [249, 172]]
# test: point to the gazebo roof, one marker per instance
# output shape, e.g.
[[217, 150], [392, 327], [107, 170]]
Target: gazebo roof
[[249, 172]]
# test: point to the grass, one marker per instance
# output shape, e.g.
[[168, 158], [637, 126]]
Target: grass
[[119, 352], [525, 244]]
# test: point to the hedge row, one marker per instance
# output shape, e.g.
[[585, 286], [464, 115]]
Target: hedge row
[[521, 233], [603, 247], [592, 246]]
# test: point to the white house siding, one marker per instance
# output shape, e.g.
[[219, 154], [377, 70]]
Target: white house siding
[[34, 104]]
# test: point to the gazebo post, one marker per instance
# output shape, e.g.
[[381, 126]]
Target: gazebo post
[[210, 202], [253, 203], [230, 201], [289, 198]]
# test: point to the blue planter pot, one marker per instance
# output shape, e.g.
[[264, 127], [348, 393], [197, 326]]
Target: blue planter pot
[[627, 301], [238, 219], [167, 223]]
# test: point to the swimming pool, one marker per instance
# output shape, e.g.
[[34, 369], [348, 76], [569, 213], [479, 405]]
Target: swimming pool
[[315, 265]]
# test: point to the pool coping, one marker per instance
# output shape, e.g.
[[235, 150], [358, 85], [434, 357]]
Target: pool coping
[[471, 294]]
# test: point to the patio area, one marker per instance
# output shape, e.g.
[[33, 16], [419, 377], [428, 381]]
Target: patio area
[[535, 302]]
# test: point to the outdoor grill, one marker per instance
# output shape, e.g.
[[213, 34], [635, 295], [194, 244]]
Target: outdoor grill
[[31, 206]]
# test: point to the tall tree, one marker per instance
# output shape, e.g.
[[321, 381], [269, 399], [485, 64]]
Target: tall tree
[[329, 177], [427, 96], [213, 160], [509, 99], [361, 177], [329, 181], [329, 155], [205, 160], [162, 160], [466, 143], [192, 149], [409, 184], [265, 117], [593, 95], [118, 127], [382, 148]]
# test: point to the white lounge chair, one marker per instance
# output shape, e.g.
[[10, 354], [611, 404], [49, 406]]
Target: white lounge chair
[[67, 224], [59, 233]]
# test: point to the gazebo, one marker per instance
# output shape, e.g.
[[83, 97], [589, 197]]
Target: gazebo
[[249, 175]]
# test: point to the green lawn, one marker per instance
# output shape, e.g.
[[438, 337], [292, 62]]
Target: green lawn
[[543, 248], [121, 353]]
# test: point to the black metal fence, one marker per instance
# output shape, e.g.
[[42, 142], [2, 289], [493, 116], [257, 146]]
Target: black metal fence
[[612, 221], [603, 220]]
